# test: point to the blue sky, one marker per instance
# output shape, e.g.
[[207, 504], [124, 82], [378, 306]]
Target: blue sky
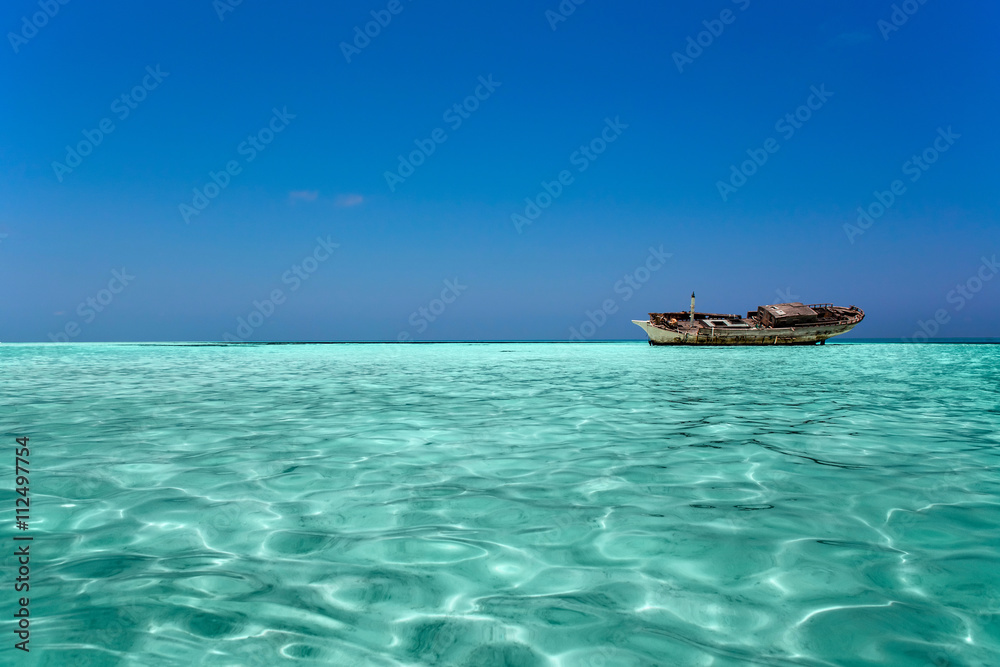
[[643, 109]]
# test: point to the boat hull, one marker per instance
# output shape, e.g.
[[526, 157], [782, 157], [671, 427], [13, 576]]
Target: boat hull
[[806, 335]]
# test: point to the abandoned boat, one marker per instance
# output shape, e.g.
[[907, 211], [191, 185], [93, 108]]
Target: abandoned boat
[[776, 324]]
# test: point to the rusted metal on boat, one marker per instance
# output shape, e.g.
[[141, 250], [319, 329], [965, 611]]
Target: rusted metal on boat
[[773, 324]]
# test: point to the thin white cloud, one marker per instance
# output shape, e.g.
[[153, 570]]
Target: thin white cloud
[[302, 195], [347, 201]]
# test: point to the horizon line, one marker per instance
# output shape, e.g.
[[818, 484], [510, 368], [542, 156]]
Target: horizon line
[[972, 340]]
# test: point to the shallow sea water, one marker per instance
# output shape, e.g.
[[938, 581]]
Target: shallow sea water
[[565, 505]]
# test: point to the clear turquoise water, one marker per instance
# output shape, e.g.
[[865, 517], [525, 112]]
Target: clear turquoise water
[[508, 504]]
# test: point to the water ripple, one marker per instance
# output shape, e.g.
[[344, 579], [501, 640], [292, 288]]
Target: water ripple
[[557, 505]]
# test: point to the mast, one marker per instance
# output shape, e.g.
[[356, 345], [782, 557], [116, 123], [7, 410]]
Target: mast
[[692, 306]]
